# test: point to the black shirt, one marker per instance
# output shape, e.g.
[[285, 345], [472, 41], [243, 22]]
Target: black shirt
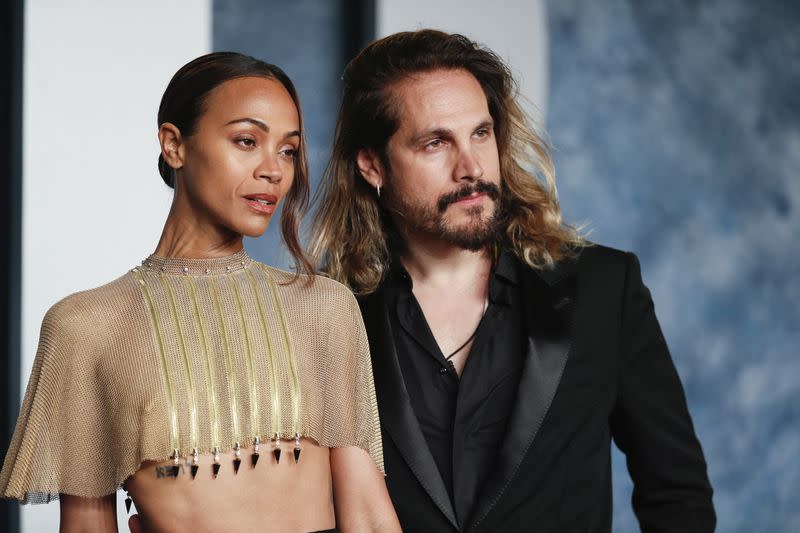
[[464, 421]]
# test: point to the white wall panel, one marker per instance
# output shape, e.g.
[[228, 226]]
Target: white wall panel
[[515, 29], [93, 203]]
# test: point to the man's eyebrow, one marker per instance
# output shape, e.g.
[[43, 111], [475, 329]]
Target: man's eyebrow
[[446, 132], [253, 121], [433, 132], [488, 123]]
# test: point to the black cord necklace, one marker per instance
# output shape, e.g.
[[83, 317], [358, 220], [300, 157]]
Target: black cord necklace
[[485, 307], [462, 346]]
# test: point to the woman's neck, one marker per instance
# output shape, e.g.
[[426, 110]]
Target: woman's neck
[[184, 235]]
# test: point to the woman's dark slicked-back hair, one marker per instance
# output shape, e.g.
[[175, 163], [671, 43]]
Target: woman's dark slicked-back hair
[[183, 103]]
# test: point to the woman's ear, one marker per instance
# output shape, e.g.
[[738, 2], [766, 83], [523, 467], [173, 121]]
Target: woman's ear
[[172, 146], [371, 168]]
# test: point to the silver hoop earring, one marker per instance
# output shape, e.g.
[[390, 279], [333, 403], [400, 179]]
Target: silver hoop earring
[[378, 189]]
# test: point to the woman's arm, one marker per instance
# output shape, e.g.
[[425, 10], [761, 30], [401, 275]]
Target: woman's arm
[[360, 497], [88, 515]]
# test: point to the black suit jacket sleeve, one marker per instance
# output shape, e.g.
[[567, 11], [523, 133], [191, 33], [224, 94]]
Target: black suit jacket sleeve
[[651, 425]]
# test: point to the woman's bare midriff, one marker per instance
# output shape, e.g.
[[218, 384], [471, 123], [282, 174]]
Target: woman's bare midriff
[[271, 496]]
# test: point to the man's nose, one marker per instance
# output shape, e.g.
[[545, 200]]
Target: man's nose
[[468, 167]]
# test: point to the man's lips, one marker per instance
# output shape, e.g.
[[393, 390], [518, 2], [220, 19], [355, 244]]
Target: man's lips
[[263, 203], [469, 195], [473, 198]]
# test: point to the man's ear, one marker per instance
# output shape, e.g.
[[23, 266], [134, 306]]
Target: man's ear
[[371, 167], [172, 145]]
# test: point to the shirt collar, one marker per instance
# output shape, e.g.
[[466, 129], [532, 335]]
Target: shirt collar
[[504, 278], [507, 266], [505, 275]]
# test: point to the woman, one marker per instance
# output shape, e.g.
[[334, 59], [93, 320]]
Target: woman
[[223, 394]]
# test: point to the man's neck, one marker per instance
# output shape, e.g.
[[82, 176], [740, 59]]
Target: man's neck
[[441, 264], [451, 286]]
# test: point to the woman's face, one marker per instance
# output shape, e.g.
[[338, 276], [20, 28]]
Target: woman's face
[[240, 162]]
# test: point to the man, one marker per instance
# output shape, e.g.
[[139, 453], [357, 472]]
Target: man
[[507, 350]]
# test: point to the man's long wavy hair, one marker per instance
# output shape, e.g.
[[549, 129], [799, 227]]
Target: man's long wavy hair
[[352, 234]]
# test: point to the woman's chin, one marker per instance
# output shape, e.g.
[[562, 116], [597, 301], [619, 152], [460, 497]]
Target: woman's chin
[[254, 230]]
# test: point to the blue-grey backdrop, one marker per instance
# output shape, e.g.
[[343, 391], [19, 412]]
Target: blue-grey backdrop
[[676, 126]]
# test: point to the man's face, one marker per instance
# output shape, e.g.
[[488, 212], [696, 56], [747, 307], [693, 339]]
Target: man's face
[[443, 180]]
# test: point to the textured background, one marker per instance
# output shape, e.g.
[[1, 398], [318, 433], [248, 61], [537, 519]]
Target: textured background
[[676, 126]]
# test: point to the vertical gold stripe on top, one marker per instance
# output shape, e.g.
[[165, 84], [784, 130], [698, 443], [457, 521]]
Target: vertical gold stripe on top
[[275, 420], [212, 395], [173, 413], [186, 366], [294, 386], [229, 367], [255, 423]]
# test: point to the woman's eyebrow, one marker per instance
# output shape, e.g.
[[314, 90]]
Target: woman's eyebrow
[[253, 121], [262, 125]]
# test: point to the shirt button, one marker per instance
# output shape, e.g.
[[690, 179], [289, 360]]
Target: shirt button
[[442, 370]]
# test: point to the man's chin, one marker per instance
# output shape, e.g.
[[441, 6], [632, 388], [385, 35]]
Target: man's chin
[[471, 236]]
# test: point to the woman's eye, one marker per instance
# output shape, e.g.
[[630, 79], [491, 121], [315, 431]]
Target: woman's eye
[[246, 142], [289, 153]]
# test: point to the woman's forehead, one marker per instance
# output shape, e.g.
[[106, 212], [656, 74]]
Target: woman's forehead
[[264, 99]]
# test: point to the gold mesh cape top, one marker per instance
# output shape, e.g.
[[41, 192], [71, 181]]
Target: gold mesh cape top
[[185, 354]]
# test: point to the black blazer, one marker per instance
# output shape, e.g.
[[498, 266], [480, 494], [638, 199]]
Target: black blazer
[[596, 368]]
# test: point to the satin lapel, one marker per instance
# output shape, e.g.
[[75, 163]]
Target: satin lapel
[[396, 414], [549, 301]]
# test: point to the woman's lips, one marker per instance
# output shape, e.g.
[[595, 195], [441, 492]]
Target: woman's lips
[[262, 203]]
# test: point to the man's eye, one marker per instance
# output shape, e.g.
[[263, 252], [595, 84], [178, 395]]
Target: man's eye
[[483, 132], [436, 143]]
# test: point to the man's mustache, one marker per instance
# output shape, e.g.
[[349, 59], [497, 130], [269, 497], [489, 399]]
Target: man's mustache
[[480, 186]]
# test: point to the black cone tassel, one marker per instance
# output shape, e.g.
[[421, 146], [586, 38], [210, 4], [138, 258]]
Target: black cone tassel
[[254, 457], [128, 503], [297, 455], [215, 466], [194, 470], [277, 453], [236, 463]]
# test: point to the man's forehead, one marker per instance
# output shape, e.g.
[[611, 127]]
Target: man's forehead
[[435, 83], [426, 98]]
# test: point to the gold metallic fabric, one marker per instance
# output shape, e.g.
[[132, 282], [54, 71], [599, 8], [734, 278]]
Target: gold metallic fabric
[[183, 354]]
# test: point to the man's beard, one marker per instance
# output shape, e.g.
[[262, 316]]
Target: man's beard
[[474, 234]]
